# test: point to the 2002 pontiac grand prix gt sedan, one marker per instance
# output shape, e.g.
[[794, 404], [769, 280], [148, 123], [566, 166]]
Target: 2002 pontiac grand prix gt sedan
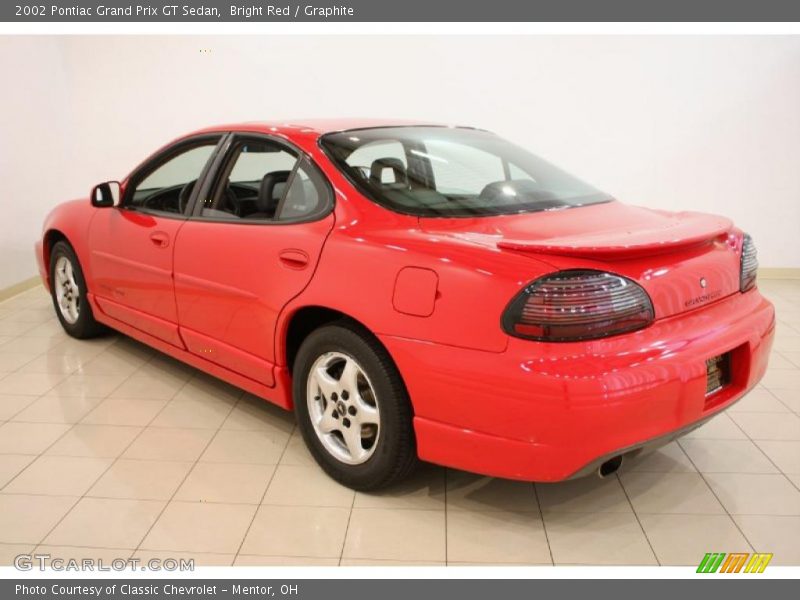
[[418, 292]]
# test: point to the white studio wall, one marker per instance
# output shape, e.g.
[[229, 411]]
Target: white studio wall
[[676, 122], [34, 130]]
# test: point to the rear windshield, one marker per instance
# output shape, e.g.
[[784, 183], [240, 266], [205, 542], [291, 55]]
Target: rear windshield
[[446, 172]]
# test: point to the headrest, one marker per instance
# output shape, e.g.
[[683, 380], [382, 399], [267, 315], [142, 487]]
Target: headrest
[[271, 190], [380, 164]]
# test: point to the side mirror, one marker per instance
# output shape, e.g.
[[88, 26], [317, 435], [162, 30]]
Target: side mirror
[[105, 194]]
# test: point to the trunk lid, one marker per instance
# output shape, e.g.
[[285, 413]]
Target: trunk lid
[[683, 260]]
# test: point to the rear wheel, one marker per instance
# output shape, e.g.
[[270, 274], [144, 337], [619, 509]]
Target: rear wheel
[[352, 408], [68, 290]]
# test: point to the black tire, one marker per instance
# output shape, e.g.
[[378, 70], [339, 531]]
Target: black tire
[[395, 453], [85, 326]]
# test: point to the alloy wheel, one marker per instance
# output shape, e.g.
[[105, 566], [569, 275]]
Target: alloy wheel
[[68, 294], [343, 408]]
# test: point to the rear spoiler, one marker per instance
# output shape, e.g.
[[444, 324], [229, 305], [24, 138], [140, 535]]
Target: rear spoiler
[[702, 229]]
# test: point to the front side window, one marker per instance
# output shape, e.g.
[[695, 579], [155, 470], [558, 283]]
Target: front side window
[[441, 171], [264, 181], [167, 187]]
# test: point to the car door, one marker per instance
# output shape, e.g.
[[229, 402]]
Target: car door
[[251, 245], [132, 244]]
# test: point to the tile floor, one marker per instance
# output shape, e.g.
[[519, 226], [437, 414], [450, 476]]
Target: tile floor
[[109, 449]]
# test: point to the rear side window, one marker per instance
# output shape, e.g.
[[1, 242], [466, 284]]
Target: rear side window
[[265, 181], [254, 161], [305, 196]]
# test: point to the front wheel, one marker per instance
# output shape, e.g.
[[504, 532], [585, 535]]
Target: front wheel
[[68, 290], [352, 408]]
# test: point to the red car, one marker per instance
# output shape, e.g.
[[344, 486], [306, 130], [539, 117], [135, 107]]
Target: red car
[[418, 292]]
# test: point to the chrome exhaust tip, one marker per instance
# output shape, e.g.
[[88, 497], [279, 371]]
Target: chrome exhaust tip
[[609, 467]]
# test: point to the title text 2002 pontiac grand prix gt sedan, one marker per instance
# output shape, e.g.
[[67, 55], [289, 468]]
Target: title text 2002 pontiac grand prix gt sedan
[[418, 292]]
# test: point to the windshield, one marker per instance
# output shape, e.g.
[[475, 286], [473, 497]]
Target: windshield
[[444, 172]]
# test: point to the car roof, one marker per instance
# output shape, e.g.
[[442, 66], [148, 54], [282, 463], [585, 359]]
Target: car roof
[[315, 127]]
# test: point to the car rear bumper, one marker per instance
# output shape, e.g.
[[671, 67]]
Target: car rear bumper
[[547, 412]]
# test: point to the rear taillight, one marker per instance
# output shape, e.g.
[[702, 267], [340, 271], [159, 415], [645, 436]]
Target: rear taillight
[[578, 305], [749, 264]]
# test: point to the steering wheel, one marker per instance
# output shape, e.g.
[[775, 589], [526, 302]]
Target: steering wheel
[[183, 196], [231, 202]]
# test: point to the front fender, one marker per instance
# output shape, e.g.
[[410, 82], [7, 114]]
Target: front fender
[[70, 220]]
